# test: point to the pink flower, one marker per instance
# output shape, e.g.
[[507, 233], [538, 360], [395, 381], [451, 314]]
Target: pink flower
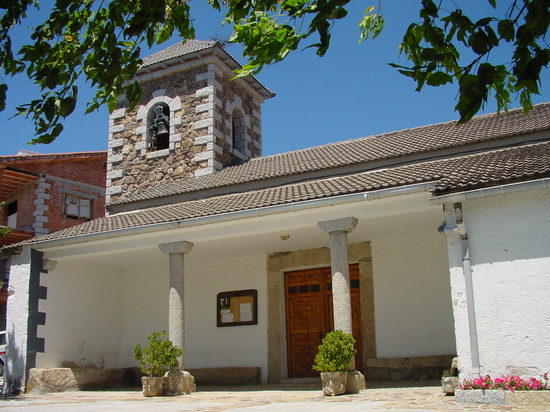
[[510, 383]]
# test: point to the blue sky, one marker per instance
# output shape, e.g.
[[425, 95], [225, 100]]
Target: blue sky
[[349, 93]]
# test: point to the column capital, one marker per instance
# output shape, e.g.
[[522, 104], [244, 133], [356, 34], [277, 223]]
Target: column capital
[[182, 247], [346, 224], [49, 264]]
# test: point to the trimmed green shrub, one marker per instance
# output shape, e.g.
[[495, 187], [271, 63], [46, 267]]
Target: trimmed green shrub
[[335, 352], [158, 356]]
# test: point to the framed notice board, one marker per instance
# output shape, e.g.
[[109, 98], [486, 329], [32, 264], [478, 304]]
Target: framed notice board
[[238, 307]]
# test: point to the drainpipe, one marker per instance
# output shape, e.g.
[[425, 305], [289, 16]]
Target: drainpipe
[[472, 322], [468, 281]]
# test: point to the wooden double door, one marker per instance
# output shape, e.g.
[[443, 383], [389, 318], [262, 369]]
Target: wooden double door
[[309, 316]]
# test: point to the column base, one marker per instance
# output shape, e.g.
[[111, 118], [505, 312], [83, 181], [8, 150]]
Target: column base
[[178, 383], [356, 382]]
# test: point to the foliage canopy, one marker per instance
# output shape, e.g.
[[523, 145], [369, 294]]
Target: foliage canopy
[[100, 41]]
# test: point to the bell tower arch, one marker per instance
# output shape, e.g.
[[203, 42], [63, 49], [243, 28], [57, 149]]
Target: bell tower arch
[[193, 118], [158, 122]]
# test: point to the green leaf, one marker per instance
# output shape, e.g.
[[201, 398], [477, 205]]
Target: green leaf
[[430, 8], [472, 94], [371, 25], [3, 95], [484, 21], [486, 73], [479, 43], [438, 78], [506, 30], [430, 54]]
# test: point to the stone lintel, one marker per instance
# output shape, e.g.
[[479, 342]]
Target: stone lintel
[[176, 247], [346, 224]]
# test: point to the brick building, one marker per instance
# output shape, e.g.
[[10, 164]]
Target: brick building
[[43, 193]]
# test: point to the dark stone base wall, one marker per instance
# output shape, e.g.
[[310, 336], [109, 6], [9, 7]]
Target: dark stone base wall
[[227, 376], [98, 379], [413, 368]]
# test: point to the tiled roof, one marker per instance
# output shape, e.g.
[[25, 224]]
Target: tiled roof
[[387, 147], [465, 172], [49, 156], [178, 50]]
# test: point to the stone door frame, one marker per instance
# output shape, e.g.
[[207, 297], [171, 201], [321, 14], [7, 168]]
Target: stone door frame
[[323, 306], [281, 262]]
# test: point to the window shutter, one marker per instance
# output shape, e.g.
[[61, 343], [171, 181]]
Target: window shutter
[[85, 209], [71, 202]]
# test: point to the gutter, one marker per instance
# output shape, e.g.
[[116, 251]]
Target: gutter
[[245, 214], [470, 303], [491, 191]]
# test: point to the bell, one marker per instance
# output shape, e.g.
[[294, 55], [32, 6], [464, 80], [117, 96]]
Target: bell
[[161, 129]]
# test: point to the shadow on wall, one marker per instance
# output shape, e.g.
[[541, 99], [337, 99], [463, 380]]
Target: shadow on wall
[[14, 369]]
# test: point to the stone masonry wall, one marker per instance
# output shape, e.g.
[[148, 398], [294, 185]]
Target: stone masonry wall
[[236, 98], [201, 100]]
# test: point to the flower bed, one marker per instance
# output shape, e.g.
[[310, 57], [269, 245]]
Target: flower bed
[[508, 383], [506, 390]]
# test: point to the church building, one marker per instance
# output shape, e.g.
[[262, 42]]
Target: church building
[[424, 243]]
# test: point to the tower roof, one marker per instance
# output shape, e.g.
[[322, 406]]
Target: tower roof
[[178, 50], [189, 49]]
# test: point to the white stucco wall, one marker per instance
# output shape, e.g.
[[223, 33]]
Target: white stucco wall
[[212, 346], [413, 312], [16, 323], [96, 315], [83, 316], [144, 307], [145, 310], [510, 251]]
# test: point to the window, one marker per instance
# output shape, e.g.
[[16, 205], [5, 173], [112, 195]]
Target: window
[[11, 211], [77, 207], [159, 125], [238, 131]]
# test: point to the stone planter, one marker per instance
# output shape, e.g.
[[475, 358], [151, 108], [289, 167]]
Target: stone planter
[[450, 384], [178, 383], [355, 382], [152, 385], [334, 383], [499, 397]]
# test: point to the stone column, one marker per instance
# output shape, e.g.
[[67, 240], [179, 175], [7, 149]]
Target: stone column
[[176, 311], [338, 230]]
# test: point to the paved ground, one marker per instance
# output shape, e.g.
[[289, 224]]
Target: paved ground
[[419, 396]]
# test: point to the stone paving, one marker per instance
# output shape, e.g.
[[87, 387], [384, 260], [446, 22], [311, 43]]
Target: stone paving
[[419, 396]]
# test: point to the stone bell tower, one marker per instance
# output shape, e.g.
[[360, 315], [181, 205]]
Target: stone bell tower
[[191, 120]]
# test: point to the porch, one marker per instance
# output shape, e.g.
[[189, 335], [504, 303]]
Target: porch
[[106, 294]]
